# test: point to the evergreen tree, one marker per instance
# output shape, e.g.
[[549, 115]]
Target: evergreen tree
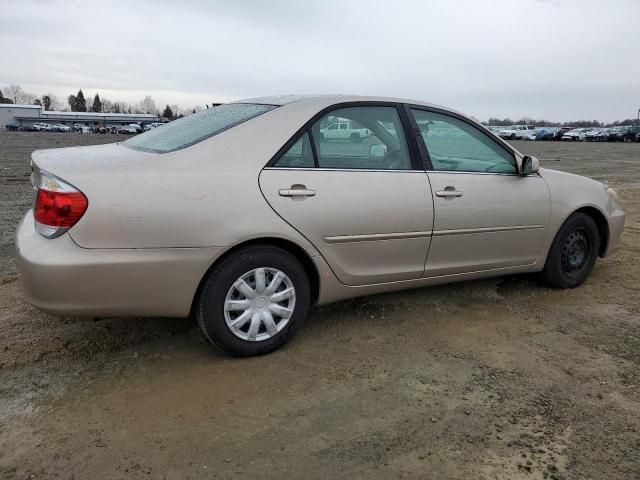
[[97, 104], [4, 100], [72, 100], [46, 101], [168, 114], [81, 103]]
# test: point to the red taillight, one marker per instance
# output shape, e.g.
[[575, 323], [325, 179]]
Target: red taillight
[[58, 205], [59, 209]]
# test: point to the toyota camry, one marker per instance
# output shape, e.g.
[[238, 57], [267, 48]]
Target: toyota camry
[[247, 214]]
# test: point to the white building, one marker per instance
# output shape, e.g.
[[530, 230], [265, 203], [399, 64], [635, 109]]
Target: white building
[[27, 115]]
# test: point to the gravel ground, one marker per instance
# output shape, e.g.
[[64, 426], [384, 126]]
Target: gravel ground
[[499, 378]]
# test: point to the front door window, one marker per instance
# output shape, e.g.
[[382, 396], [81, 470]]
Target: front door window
[[457, 146]]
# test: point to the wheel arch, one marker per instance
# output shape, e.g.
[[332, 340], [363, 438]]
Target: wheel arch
[[293, 248], [602, 224]]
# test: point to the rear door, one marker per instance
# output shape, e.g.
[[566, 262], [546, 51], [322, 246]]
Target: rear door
[[366, 206], [487, 216]]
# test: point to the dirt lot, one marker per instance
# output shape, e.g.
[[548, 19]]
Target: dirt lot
[[500, 378]]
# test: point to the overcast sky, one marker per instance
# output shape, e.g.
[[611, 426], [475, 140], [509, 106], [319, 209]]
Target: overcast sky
[[552, 59]]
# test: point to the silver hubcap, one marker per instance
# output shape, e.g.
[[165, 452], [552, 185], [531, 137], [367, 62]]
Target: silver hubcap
[[259, 304]]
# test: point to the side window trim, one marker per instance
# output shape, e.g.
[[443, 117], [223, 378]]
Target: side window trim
[[413, 131], [423, 147], [313, 147], [417, 162]]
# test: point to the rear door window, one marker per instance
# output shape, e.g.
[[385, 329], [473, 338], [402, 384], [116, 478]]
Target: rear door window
[[299, 155], [376, 140]]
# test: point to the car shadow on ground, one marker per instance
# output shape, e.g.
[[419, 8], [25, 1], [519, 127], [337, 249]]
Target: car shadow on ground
[[48, 338]]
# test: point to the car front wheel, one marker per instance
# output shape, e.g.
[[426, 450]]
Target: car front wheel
[[573, 252], [254, 301]]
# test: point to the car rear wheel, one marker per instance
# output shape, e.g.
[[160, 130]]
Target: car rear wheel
[[573, 252], [254, 301]]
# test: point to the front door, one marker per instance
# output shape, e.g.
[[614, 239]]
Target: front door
[[487, 216], [366, 206]]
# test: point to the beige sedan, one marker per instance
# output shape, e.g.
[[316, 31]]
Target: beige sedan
[[247, 214]]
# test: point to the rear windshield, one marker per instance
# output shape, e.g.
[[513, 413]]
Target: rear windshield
[[190, 130]]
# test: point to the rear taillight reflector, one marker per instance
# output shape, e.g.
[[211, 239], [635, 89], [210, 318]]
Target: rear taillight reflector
[[58, 205]]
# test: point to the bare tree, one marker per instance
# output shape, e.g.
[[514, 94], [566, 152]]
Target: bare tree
[[107, 105], [29, 98], [13, 92], [148, 105]]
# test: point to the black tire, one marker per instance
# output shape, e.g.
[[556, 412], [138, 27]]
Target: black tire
[[513, 136], [573, 252], [209, 307]]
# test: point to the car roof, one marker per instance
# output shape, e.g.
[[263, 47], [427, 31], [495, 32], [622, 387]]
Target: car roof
[[329, 99]]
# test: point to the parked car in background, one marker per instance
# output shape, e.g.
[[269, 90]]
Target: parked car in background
[[78, 126], [561, 131], [516, 132], [623, 134], [597, 135], [543, 133], [547, 133], [307, 222], [12, 127], [42, 127], [130, 129], [58, 127], [344, 131], [576, 135], [83, 129], [152, 125]]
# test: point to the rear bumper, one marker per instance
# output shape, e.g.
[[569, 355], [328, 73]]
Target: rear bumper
[[62, 278], [616, 226]]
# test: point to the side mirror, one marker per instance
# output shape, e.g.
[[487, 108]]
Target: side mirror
[[529, 165], [377, 151]]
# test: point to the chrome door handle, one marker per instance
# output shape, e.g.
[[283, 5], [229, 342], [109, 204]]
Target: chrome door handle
[[295, 192], [448, 193]]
